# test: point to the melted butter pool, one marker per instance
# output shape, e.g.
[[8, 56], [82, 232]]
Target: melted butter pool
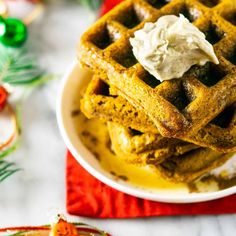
[[94, 135]]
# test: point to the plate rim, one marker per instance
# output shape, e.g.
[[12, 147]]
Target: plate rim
[[141, 193]]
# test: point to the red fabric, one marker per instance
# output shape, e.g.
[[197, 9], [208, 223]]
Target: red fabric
[[87, 196]]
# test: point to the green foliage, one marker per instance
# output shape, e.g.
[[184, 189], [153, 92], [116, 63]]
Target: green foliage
[[9, 150], [7, 169], [92, 4], [18, 67], [18, 233]]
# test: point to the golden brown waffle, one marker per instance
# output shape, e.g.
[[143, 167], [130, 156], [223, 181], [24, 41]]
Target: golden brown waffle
[[101, 101], [134, 141], [178, 108], [192, 165], [151, 148]]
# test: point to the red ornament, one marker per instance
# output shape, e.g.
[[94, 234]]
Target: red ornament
[[3, 97]]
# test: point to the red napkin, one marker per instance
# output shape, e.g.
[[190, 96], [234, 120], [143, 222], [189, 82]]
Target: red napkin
[[87, 196]]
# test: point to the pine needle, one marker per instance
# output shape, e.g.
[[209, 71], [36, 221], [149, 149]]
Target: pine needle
[[19, 233], [18, 67], [4, 153], [7, 169], [92, 4]]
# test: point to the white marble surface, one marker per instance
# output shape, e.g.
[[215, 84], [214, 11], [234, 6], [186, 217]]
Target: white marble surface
[[29, 196]]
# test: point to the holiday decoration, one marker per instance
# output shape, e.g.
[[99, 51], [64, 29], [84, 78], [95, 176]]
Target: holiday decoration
[[13, 32], [18, 67], [7, 169], [92, 4], [3, 97], [60, 227]]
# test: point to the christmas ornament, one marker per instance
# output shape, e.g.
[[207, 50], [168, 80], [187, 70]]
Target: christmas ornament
[[3, 97], [13, 32], [17, 67]]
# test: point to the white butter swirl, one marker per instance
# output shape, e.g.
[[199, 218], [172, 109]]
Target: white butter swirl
[[170, 46]]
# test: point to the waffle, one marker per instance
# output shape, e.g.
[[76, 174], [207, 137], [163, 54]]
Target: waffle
[[152, 157], [151, 148], [192, 165], [178, 108], [101, 101], [134, 141]]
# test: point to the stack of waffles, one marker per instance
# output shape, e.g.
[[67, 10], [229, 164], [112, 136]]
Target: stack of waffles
[[184, 127]]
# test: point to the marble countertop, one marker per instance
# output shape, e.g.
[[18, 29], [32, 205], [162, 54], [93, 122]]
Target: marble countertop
[[30, 196]]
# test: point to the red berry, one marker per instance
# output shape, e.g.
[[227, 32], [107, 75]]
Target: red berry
[[3, 97]]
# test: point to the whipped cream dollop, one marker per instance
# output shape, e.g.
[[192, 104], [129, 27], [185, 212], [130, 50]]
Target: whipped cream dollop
[[170, 46]]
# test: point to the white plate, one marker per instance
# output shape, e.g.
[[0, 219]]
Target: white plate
[[71, 85]]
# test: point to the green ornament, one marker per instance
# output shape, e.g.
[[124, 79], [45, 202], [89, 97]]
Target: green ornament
[[13, 32]]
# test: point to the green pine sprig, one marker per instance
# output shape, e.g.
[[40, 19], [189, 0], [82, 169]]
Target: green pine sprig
[[19, 233], [92, 4], [7, 169], [18, 67]]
